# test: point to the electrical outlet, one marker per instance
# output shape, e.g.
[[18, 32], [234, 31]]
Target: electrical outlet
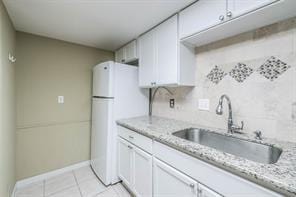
[[204, 104], [172, 103], [60, 99]]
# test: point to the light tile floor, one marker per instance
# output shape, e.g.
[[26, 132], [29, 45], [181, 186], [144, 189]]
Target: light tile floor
[[78, 183]]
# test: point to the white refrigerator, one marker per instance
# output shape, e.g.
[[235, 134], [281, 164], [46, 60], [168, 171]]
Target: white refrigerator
[[116, 95]]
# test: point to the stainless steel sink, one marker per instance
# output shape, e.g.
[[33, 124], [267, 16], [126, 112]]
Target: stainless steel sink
[[250, 150]]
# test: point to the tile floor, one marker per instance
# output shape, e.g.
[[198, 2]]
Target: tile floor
[[78, 183]]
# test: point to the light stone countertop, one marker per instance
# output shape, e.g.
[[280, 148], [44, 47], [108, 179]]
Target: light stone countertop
[[280, 177]]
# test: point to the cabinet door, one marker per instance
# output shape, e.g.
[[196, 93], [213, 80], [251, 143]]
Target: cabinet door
[[167, 52], [206, 192], [131, 51], [240, 7], [147, 67], [167, 181], [120, 55], [142, 173], [125, 161], [202, 15]]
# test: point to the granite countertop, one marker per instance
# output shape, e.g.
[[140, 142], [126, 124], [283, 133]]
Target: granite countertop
[[280, 177]]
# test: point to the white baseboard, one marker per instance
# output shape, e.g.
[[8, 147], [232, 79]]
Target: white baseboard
[[27, 181]]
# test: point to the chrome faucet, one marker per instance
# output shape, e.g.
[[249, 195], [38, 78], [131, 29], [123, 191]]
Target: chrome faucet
[[231, 128], [153, 96]]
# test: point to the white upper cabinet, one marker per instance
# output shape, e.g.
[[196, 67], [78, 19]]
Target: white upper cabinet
[[127, 53], [202, 15], [205, 14], [167, 52], [208, 21], [147, 60], [163, 60], [240, 7], [131, 51], [120, 55]]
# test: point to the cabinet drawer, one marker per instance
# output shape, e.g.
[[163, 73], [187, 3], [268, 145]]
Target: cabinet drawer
[[139, 140]]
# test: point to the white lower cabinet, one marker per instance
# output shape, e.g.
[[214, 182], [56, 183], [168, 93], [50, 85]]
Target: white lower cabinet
[[149, 168], [206, 192], [125, 162], [135, 168], [142, 173], [168, 181]]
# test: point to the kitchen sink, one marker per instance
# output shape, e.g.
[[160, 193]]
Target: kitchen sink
[[257, 152]]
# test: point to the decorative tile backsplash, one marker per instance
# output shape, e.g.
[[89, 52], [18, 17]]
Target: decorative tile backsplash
[[264, 97], [273, 68], [216, 75], [240, 72]]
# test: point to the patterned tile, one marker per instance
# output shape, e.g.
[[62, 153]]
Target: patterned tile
[[216, 75], [240, 72], [273, 68]]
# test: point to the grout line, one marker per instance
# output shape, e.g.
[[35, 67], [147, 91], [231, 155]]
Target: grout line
[[66, 188], [60, 191], [77, 183]]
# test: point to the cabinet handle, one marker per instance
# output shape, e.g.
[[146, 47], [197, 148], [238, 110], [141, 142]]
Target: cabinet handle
[[199, 191], [131, 137], [229, 14], [130, 147], [191, 185], [221, 18]]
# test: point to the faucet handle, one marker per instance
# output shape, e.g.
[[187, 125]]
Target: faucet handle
[[258, 135], [242, 125], [238, 129]]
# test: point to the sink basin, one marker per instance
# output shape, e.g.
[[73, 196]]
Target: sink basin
[[250, 150]]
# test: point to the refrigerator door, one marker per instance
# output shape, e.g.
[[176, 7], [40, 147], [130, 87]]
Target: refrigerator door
[[101, 136], [103, 80]]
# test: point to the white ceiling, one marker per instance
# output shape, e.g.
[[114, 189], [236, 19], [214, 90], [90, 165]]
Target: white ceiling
[[105, 24]]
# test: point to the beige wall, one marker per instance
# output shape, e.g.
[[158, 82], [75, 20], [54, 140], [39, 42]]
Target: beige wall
[[51, 135], [7, 105], [269, 106]]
